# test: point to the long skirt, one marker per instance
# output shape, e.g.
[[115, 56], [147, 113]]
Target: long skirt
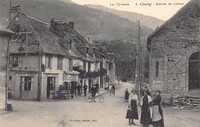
[[157, 116], [158, 123], [146, 117], [133, 113]]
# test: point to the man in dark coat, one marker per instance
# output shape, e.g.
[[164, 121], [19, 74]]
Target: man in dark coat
[[93, 92], [113, 87], [97, 86], [85, 89], [79, 89], [72, 91]]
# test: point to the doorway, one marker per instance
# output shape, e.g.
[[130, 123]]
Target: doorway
[[50, 85], [73, 87], [194, 71], [26, 87]]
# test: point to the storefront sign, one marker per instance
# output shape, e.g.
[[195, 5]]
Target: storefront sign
[[70, 77]]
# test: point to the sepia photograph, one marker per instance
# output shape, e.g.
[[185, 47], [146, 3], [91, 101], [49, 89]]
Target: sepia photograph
[[99, 63]]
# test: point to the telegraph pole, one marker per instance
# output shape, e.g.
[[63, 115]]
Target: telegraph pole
[[138, 63], [7, 75], [40, 73], [142, 66], [8, 65], [10, 5]]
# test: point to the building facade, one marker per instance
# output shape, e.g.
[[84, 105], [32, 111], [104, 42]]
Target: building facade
[[38, 61], [47, 57], [174, 51]]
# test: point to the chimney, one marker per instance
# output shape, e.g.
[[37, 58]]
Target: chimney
[[71, 24], [13, 11], [52, 23]]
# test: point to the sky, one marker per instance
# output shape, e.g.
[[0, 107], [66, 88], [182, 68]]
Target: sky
[[165, 9]]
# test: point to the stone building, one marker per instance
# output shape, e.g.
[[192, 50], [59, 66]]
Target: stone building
[[37, 57], [174, 52], [47, 57]]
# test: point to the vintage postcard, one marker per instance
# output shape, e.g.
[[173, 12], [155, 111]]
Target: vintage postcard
[[99, 63]]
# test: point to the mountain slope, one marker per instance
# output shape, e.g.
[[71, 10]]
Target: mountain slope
[[148, 21], [92, 23]]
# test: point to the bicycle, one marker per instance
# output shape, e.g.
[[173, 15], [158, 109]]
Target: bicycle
[[88, 98]]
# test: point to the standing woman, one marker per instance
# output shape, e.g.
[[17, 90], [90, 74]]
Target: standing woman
[[157, 114], [126, 96], [145, 110], [133, 104]]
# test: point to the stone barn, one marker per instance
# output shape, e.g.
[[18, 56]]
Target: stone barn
[[174, 52]]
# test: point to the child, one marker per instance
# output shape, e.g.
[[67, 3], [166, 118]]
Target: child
[[126, 95]]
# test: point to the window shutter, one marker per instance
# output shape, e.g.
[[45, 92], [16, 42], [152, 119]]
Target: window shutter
[[50, 61], [30, 84], [46, 61]]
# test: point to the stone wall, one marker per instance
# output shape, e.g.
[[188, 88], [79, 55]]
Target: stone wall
[[173, 64], [172, 45]]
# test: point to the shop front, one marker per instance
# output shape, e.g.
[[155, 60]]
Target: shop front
[[70, 81]]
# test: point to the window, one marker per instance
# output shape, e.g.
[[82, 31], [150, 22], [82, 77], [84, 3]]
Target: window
[[48, 61], [26, 83], [70, 45], [194, 71], [15, 61], [89, 66], [157, 68], [59, 63], [84, 66], [70, 65]]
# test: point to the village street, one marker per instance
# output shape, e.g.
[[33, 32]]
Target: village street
[[78, 113]]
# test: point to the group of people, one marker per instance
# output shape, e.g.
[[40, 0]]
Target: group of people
[[151, 111], [94, 89], [76, 89]]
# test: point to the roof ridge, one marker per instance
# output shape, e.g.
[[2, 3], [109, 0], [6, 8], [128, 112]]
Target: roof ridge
[[37, 20], [179, 11]]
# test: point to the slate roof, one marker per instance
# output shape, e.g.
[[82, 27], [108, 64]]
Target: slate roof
[[31, 32], [185, 23], [68, 34], [38, 33], [64, 30]]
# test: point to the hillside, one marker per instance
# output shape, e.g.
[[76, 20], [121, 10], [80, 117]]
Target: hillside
[[148, 21], [124, 56], [92, 23]]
